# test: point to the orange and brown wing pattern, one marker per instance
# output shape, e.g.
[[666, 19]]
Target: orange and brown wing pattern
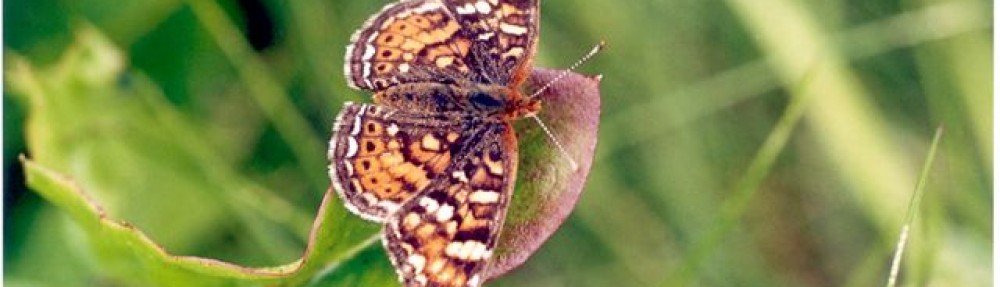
[[446, 235], [407, 42], [440, 179], [381, 157], [504, 33]]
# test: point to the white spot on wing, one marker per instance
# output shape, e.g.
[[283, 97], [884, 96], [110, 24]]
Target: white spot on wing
[[389, 206], [483, 7], [422, 279], [484, 196], [467, 9], [429, 6], [352, 147], [474, 280], [453, 249], [478, 252], [356, 128], [417, 261], [392, 129], [445, 212], [429, 204], [366, 64], [485, 36], [369, 198], [349, 167], [460, 176], [365, 72], [472, 250], [369, 52], [513, 29]]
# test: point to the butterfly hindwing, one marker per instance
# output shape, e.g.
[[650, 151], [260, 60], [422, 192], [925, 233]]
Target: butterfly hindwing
[[382, 157], [446, 235]]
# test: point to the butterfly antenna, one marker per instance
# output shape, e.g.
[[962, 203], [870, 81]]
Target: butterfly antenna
[[572, 163], [597, 48]]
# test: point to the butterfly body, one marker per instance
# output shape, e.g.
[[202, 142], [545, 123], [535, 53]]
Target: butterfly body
[[483, 100], [434, 159]]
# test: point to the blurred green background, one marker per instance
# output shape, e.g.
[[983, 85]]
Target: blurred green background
[[742, 142]]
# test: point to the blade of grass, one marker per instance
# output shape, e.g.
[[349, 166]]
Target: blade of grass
[[312, 20], [144, 17], [263, 203], [734, 207], [911, 213], [844, 119], [265, 91]]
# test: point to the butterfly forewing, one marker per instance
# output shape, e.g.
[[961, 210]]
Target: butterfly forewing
[[415, 41], [504, 35], [408, 42], [446, 235]]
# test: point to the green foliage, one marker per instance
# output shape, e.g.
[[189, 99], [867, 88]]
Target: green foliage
[[742, 142], [142, 161]]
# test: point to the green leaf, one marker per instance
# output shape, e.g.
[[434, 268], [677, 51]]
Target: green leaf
[[125, 249], [368, 268], [90, 120], [128, 251]]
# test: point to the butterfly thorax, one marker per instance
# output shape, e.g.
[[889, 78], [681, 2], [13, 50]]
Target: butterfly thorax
[[488, 101]]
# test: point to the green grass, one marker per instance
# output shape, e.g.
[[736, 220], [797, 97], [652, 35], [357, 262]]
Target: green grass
[[742, 142]]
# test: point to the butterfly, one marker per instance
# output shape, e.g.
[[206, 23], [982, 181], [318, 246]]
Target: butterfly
[[434, 159]]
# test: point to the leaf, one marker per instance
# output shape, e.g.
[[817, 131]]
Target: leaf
[[126, 248], [109, 130], [368, 268], [547, 185], [133, 253]]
